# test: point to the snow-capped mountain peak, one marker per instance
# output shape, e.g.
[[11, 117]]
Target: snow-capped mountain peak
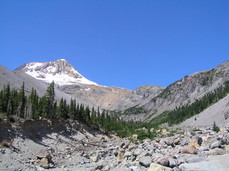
[[59, 71]]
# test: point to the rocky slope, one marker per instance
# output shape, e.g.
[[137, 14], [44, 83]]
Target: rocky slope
[[187, 90], [69, 145]]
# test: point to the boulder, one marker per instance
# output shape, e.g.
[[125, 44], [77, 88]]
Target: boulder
[[164, 132], [168, 141], [94, 158], [176, 141], [194, 144], [128, 154], [44, 163], [135, 168], [215, 144], [156, 167], [145, 161], [42, 154], [172, 162], [226, 148], [189, 149], [164, 161], [137, 152], [184, 141]]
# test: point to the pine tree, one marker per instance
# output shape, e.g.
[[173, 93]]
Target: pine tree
[[77, 114], [42, 108], [50, 96], [93, 117], [87, 116], [1, 101], [32, 105], [63, 109], [81, 113], [5, 98], [22, 102], [72, 109]]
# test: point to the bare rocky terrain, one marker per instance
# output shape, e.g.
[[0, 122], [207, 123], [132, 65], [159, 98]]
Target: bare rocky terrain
[[69, 145]]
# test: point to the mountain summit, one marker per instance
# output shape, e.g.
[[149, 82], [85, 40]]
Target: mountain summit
[[59, 71]]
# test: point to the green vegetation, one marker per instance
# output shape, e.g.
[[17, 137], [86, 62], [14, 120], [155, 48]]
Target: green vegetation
[[215, 127], [208, 77], [224, 142], [148, 117], [134, 110], [196, 129], [13, 102], [16, 102], [182, 113], [165, 93]]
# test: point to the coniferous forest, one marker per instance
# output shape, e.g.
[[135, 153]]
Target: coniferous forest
[[16, 103]]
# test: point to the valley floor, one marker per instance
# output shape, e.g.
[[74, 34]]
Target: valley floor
[[69, 145]]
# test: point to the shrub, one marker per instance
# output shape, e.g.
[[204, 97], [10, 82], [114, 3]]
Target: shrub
[[215, 127]]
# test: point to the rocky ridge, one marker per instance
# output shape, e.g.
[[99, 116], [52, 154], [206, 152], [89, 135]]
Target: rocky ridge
[[187, 90]]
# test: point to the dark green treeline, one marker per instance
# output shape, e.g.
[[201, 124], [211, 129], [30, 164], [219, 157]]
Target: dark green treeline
[[15, 102]]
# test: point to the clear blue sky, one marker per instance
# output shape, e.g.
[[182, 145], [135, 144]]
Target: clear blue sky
[[124, 43]]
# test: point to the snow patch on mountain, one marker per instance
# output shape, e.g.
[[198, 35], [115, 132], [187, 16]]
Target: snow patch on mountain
[[59, 71]]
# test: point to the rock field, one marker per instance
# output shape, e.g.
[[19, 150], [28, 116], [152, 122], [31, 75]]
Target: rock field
[[73, 146]]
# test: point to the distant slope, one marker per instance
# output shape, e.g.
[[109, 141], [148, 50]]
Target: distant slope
[[183, 92], [218, 113]]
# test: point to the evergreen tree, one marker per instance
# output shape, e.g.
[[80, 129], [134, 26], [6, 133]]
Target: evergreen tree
[[72, 109], [32, 104], [50, 96], [81, 113], [87, 116], [5, 97], [77, 114], [22, 102], [93, 117], [42, 108], [63, 109], [1, 101]]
